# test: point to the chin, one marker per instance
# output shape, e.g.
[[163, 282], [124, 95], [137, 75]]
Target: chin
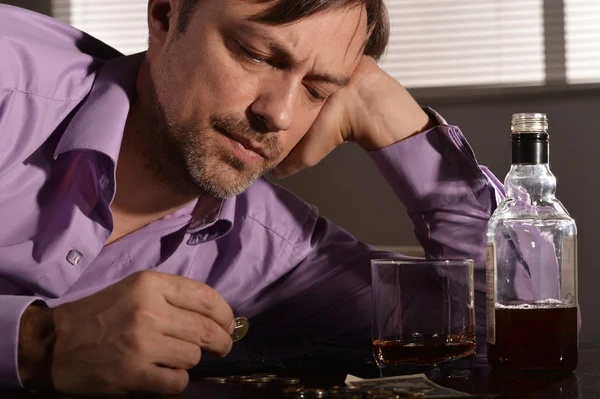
[[224, 181]]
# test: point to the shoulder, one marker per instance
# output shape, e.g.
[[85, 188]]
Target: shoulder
[[276, 209], [45, 57]]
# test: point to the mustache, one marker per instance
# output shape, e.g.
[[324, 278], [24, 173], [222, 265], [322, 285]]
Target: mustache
[[240, 126]]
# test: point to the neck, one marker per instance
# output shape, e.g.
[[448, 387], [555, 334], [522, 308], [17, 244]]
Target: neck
[[141, 191]]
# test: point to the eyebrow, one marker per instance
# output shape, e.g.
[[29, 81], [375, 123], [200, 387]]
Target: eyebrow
[[280, 50], [338, 80]]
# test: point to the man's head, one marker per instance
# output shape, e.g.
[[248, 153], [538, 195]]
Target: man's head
[[233, 85]]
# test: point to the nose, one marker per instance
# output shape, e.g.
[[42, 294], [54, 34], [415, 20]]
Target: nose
[[274, 105]]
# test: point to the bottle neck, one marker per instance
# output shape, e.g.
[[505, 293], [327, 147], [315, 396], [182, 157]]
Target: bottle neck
[[530, 148], [530, 178]]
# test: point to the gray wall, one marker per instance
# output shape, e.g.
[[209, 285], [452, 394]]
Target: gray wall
[[348, 190]]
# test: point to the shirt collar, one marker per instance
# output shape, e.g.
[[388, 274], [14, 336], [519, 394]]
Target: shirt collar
[[211, 219], [98, 125], [99, 121]]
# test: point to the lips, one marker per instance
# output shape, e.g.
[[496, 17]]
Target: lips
[[248, 144]]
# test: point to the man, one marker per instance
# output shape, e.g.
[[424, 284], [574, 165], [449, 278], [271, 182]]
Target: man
[[136, 223]]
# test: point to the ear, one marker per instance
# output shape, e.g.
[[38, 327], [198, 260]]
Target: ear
[[160, 20]]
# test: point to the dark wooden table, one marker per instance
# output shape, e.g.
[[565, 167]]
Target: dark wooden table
[[584, 383]]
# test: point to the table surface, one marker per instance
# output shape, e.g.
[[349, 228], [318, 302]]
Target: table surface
[[583, 383]]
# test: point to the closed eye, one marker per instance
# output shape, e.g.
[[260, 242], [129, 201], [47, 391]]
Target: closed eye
[[252, 56], [315, 95]]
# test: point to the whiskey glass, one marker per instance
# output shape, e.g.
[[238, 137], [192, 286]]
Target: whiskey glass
[[423, 316]]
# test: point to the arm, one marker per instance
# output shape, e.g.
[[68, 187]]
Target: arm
[[21, 343], [433, 171], [449, 198], [138, 335], [35, 346]]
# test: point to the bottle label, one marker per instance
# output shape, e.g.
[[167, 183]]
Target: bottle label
[[568, 270], [490, 296]]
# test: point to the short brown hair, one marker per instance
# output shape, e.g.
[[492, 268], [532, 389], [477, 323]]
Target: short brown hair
[[288, 11]]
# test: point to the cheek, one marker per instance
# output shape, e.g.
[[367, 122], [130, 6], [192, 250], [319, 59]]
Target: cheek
[[221, 86], [209, 81]]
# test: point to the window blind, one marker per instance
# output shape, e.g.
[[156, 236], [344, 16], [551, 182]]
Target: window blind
[[466, 42], [434, 43], [121, 24], [582, 31]]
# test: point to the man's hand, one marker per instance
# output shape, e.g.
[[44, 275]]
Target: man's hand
[[374, 110], [139, 335]]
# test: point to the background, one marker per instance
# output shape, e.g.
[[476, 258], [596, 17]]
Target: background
[[476, 62]]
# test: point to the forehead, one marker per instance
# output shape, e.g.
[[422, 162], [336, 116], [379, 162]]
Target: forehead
[[330, 38]]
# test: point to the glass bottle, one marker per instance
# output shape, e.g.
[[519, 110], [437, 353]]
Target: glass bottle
[[531, 256]]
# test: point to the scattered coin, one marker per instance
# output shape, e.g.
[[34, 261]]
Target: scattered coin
[[237, 379], [312, 393], [315, 393], [293, 389], [382, 394], [288, 380], [408, 393], [263, 379], [265, 375], [242, 325], [250, 380], [218, 380]]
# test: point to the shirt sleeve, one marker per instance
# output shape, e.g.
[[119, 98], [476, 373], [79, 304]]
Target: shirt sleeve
[[12, 307], [449, 198]]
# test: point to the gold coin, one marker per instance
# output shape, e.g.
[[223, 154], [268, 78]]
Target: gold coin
[[250, 380], [263, 379], [242, 325], [218, 380], [265, 375], [293, 389], [288, 380]]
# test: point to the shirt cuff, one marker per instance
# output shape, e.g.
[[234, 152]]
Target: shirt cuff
[[10, 318], [431, 168]]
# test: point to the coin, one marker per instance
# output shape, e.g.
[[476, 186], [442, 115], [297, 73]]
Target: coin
[[381, 394], [405, 393], [265, 375], [263, 379], [237, 378], [315, 393], [218, 380], [293, 389], [288, 380], [312, 393], [242, 325]]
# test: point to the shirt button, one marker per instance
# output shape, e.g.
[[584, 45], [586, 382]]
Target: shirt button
[[104, 182], [74, 257]]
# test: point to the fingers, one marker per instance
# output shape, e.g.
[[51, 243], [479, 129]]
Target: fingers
[[191, 295], [198, 330], [185, 293], [162, 380], [174, 353], [322, 138]]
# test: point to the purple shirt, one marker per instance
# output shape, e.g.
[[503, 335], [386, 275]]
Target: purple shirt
[[64, 99]]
